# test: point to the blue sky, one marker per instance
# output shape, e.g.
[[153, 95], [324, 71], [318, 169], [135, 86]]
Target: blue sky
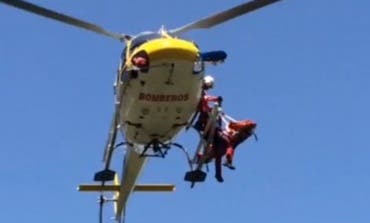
[[298, 68]]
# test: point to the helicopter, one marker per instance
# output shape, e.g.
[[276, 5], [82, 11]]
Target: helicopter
[[157, 91]]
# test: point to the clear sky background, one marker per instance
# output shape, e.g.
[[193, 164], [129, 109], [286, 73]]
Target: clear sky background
[[300, 69]]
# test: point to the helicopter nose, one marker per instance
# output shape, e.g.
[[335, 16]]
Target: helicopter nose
[[169, 48]]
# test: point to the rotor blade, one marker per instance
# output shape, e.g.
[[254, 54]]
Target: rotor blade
[[62, 18], [224, 16]]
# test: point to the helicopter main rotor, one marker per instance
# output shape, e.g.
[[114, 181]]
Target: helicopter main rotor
[[207, 22], [41, 11], [221, 17]]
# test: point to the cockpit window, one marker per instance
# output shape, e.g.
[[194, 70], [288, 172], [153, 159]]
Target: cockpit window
[[138, 41]]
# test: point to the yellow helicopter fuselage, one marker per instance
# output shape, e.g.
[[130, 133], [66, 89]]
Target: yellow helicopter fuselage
[[159, 95]]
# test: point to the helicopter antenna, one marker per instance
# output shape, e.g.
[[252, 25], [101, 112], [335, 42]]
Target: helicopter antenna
[[221, 17], [41, 11]]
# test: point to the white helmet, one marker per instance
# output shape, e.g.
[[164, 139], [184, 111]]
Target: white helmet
[[208, 82]]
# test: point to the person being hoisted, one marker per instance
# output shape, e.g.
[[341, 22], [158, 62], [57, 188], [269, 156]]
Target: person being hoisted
[[236, 133], [203, 108], [224, 140]]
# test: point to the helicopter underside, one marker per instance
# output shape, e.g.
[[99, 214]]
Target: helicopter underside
[[157, 104]]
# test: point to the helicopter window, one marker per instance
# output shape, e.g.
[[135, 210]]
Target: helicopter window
[[143, 38], [137, 41]]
